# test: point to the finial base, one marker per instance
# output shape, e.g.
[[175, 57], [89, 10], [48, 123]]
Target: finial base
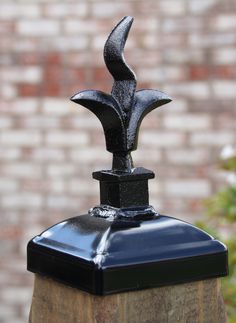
[[122, 189]]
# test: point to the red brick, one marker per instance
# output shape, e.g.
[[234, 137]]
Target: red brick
[[28, 90], [29, 59], [53, 58], [225, 72], [102, 78], [53, 73], [6, 27], [52, 89], [76, 75], [10, 232], [198, 72]]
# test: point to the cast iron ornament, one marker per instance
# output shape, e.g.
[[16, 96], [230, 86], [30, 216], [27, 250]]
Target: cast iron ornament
[[122, 111], [124, 244]]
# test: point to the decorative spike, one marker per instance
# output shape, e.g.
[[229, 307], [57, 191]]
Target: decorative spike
[[122, 112]]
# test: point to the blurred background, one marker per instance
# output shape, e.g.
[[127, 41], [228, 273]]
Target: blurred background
[[49, 146]]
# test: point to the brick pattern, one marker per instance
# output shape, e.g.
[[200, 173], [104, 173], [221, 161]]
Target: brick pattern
[[49, 146]]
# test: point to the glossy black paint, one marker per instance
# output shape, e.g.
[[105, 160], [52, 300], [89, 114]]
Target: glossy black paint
[[123, 243], [114, 254]]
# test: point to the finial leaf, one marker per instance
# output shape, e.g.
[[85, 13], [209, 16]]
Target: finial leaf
[[105, 107], [145, 102]]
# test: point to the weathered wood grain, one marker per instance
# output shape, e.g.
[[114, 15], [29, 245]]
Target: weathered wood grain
[[197, 302]]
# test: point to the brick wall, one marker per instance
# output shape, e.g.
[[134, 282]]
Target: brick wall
[[49, 146]]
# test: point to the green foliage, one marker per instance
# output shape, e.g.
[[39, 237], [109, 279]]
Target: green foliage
[[223, 205], [229, 164], [229, 283], [221, 210]]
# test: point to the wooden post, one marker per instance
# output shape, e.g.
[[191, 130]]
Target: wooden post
[[194, 302]]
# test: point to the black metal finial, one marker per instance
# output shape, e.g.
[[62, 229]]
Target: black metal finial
[[122, 112], [123, 244]]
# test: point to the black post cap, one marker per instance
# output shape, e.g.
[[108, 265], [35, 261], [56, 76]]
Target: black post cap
[[124, 244]]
